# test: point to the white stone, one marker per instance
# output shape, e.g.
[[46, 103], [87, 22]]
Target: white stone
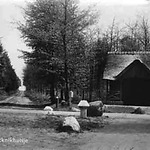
[[71, 94], [48, 108], [22, 88], [72, 122], [75, 109]]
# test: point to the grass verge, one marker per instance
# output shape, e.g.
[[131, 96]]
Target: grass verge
[[45, 121], [39, 132]]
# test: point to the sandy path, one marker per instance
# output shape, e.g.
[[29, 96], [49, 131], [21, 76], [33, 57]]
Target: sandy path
[[17, 99], [124, 132], [118, 141]]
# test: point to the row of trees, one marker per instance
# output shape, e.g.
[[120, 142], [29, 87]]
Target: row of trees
[[55, 30], [8, 78], [66, 53]]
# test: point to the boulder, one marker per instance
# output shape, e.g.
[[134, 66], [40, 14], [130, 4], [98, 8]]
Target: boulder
[[138, 111], [96, 108], [75, 109], [70, 124], [48, 108], [63, 103]]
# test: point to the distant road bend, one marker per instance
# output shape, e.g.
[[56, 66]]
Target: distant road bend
[[18, 99]]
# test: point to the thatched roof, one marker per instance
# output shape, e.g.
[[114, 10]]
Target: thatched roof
[[118, 61]]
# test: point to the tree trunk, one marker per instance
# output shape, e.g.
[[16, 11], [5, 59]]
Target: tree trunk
[[65, 54], [66, 85], [52, 93], [61, 95], [91, 82], [83, 94]]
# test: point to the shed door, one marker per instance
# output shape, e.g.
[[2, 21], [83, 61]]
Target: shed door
[[136, 92]]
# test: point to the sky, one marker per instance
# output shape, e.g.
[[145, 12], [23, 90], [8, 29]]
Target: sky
[[116, 2], [123, 10]]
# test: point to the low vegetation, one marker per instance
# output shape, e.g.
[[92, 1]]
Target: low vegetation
[[38, 97], [8, 79], [45, 121]]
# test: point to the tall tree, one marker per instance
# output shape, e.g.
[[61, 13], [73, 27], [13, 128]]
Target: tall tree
[[137, 36], [144, 34], [55, 32], [8, 78], [100, 50], [113, 35]]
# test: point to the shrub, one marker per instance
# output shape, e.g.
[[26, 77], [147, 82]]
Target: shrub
[[76, 99], [138, 111], [37, 97], [3, 95]]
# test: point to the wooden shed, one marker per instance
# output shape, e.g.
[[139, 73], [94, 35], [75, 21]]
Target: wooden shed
[[127, 76]]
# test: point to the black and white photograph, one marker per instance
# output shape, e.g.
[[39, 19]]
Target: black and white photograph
[[74, 74]]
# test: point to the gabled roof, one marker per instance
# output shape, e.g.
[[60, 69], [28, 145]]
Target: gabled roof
[[117, 62], [136, 69]]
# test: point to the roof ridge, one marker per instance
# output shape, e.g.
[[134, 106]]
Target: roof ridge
[[129, 52]]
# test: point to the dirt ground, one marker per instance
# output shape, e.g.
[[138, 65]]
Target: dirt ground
[[129, 132], [121, 132], [22, 130]]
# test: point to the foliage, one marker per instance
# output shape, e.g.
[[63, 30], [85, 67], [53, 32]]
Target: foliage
[[55, 30], [76, 99], [133, 36], [8, 78], [37, 97], [100, 50], [46, 121], [65, 55]]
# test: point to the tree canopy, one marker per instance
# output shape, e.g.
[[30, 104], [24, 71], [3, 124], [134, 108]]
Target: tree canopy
[[55, 30], [8, 78]]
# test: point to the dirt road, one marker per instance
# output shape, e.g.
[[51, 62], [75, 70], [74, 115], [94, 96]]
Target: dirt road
[[122, 132], [18, 98]]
